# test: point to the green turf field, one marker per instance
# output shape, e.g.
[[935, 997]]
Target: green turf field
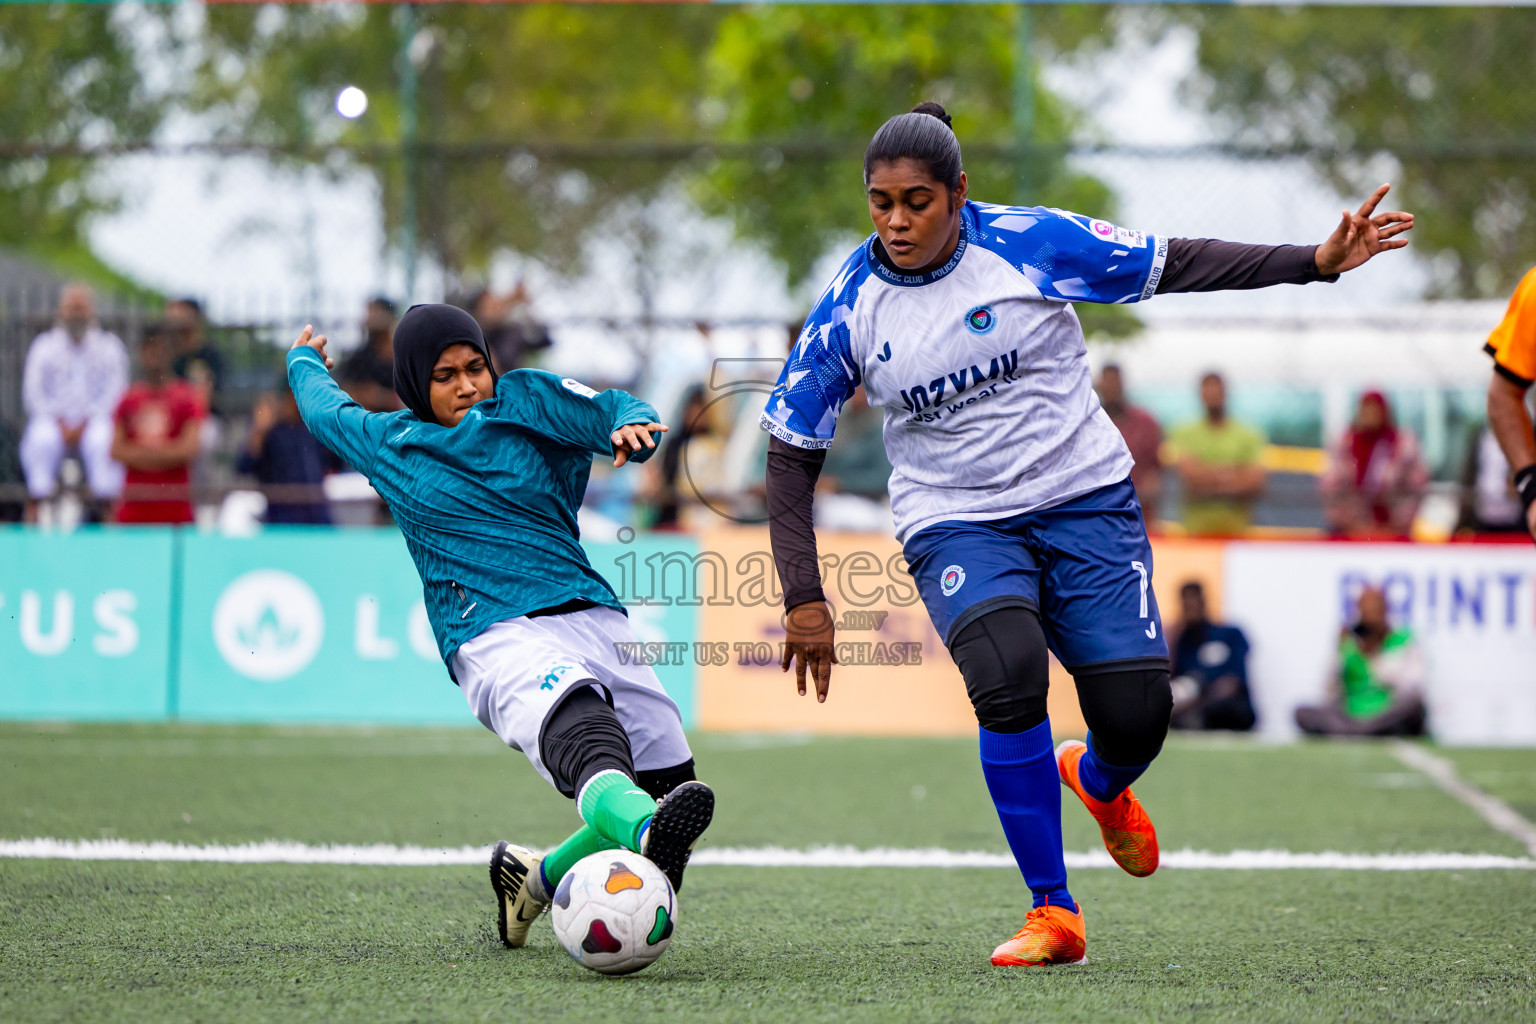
[[107, 940]]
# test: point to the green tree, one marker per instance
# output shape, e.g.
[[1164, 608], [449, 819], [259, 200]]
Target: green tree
[[575, 84], [1449, 93], [68, 79], [820, 80], [829, 76]]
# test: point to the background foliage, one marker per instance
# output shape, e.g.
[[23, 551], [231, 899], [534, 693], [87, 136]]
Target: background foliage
[[545, 127]]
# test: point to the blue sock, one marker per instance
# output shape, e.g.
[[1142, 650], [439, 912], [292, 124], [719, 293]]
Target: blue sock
[[1020, 769], [1104, 781]]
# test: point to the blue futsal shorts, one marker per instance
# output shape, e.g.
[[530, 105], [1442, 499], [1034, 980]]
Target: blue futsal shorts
[[1085, 566]]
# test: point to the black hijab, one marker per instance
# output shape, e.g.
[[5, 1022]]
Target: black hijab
[[420, 337]]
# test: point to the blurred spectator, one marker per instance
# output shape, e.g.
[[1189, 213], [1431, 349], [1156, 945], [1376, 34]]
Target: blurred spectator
[[196, 361], [158, 427], [1218, 462], [1142, 436], [1375, 474], [74, 376], [202, 366], [510, 330], [1489, 503], [851, 491], [368, 374], [284, 456], [1377, 684], [12, 479], [693, 422], [1210, 669]]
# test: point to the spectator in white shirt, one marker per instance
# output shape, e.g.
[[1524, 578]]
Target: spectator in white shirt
[[74, 376]]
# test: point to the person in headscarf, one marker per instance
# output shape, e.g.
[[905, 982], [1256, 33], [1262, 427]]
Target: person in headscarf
[[484, 475], [1375, 474]]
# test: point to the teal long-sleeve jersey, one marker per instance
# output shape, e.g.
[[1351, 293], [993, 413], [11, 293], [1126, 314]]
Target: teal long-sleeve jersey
[[488, 508]]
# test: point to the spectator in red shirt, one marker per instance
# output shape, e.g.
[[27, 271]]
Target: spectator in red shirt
[[157, 427], [1142, 436]]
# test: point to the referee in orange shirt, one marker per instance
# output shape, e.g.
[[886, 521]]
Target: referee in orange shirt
[[1513, 347]]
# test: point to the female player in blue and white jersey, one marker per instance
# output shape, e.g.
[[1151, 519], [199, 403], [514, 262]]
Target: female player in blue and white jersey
[[1009, 483], [484, 475]]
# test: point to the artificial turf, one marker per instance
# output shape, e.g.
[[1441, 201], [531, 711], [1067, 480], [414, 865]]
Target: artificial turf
[[199, 942]]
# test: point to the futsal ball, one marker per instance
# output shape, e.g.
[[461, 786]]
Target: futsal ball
[[614, 912]]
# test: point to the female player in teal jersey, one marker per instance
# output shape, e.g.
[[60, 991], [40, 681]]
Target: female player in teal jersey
[[484, 477], [1009, 485]]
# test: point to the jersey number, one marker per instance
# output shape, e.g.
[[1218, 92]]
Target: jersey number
[[1151, 626]]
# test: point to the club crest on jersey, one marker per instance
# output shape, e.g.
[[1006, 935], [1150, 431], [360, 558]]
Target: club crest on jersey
[[951, 580], [980, 320]]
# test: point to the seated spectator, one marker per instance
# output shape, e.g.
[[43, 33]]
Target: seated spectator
[[1377, 684], [12, 479], [196, 361], [515, 338], [157, 437], [1142, 436], [692, 422], [1218, 461], [285, 457], [1375, 475], [71, 383], [368, 374], [851, 493], [201, 365], [1489, 502], [1210, 669]]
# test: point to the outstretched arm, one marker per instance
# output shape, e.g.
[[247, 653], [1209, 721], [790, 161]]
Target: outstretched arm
[[1208, 265], [337, 422], [573, 415], [791, 484]]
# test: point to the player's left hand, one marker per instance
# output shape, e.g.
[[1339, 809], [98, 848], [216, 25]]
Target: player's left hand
[[307, 337], [632, 437], [1363, 234]]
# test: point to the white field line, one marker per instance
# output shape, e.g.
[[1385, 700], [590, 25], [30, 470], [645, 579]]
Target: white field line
[[1491, 809], [274, 852]]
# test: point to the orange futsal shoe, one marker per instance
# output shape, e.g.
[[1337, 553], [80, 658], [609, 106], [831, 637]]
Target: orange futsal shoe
[[1128, 833], [1051, 935]]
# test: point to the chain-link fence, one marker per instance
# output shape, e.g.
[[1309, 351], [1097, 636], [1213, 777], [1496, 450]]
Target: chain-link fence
[[1211, 191]]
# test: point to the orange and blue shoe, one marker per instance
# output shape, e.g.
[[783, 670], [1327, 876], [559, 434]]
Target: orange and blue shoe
[[1051, 935], [1128, 833]]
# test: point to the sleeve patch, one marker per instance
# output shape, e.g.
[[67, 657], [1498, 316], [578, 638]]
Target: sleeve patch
[[577, 387], [1120, 236]]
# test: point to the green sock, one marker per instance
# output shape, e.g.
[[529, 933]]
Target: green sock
[[617, 808], [583, 842]]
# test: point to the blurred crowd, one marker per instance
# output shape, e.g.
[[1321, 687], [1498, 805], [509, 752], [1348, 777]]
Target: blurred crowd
[[135, 437], [1375, 686], [138, 446], [141, 430]]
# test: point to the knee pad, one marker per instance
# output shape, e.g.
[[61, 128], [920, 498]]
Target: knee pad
[[583, 736], [1003, 658], [1127, 713], [658, 782]]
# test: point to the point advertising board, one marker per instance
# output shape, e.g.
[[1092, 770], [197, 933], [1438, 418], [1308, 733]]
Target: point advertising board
[[1472, 609]]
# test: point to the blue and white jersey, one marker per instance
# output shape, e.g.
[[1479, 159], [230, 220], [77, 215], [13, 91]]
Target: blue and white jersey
[[980, 366]]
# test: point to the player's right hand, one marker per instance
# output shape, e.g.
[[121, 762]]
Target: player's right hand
[[808, 644], [307, 337]]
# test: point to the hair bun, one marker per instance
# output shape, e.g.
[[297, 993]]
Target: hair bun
[[937, 110]]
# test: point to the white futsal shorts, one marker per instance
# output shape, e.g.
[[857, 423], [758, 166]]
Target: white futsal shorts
[[515, 673]]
